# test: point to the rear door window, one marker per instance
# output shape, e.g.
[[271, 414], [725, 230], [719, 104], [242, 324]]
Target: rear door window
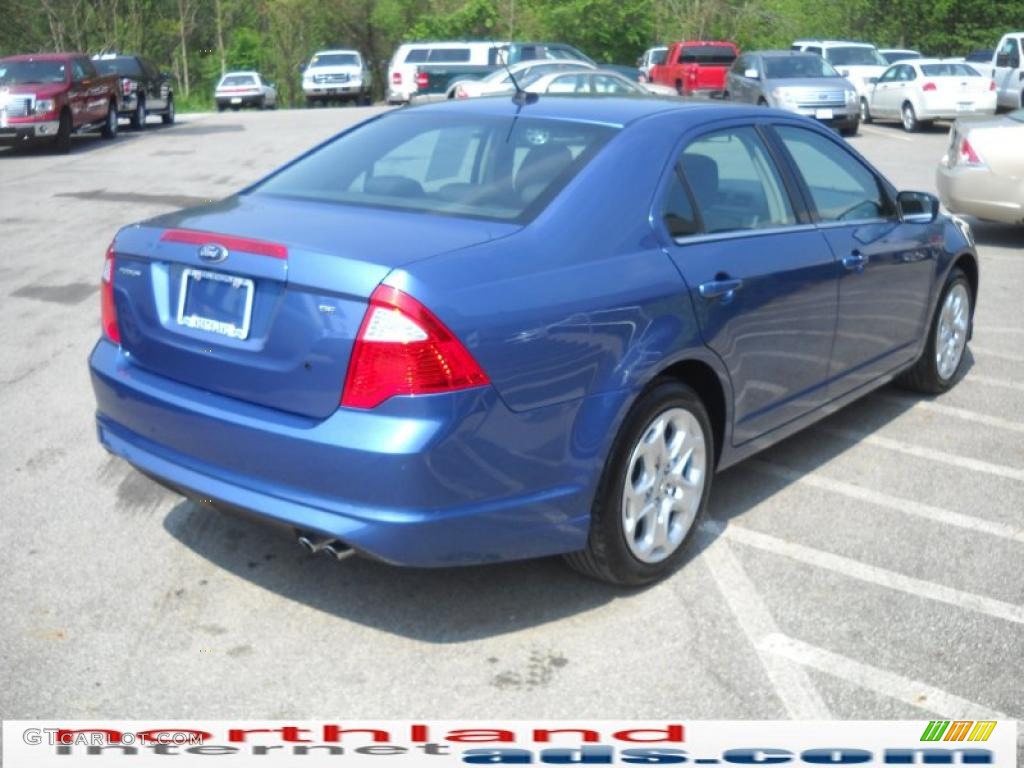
[[735, 182], [841, 187]]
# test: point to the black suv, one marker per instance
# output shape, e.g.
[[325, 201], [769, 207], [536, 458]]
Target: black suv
[[145, 90]]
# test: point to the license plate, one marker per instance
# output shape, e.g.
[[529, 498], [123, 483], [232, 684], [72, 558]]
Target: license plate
[[236, 100], [965, 106], [215, 302], [823, 114]]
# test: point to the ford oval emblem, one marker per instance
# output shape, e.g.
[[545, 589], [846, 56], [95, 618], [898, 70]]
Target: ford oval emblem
[[213, 253]]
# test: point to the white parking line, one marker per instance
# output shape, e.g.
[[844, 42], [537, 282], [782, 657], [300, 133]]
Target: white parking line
[[881, 681], [941, 457], [998, 354], [791, 683], [950, 410], [882, 577], [887, 134], [879, 499]]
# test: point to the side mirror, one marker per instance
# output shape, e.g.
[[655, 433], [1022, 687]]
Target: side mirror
[[844, 72], [873, 80], [917, 207], [752, 74]]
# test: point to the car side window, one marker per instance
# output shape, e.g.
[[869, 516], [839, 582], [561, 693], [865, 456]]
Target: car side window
[[77, 71], [735, 182], [841, 187], [606, 84], [889, 75], [813, 49], [739, 66], [569, 84], [677, 210]]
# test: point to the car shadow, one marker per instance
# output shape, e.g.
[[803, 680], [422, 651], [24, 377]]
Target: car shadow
[[997, 235], [462, 604], [85, 143]]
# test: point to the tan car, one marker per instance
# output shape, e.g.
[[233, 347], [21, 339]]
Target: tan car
[[982, 172]]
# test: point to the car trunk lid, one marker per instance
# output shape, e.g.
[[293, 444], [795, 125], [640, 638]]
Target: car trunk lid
[[260, 298]]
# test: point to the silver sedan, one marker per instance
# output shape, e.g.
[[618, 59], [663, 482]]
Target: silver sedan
[[798, 82]]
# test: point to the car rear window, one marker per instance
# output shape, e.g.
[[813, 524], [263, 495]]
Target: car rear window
[[707, 55], [949, 70], [30, 72], [448, 55], [238, 80], [461, 165], [125, 66]]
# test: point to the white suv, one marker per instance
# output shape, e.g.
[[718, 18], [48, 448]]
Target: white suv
[[860, 63], [336, 76]]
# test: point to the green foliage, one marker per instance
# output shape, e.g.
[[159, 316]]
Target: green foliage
[[277, 36]]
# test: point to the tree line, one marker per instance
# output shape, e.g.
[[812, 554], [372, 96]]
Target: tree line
[[197, 40]]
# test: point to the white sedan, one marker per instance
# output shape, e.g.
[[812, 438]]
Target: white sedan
[[500, 80], [596, 82], [919, 91], [245, 89]]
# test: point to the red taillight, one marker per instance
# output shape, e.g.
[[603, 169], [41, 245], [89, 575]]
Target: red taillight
[[396, 78], [967, 154], [402, 349], [929, 87], [460, 93], [991, 85], [108, 312], [422, 80]]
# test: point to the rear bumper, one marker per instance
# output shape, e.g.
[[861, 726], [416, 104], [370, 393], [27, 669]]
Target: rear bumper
[[243, 101], [430, 481], [981, 193], [15, 133]]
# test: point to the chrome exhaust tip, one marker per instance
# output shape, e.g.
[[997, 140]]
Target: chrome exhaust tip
[[339, 550]]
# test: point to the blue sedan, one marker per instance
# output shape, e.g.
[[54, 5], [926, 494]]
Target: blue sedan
[[488, 330]]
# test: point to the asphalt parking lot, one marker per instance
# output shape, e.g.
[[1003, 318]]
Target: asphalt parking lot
[[867, 568]]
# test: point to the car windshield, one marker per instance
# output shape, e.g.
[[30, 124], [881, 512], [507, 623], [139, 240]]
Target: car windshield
[[237, 80], [950, 69], [335, 60], [786, 67], [707, 55], [26, 72], [478, 166], [854, 56], [123, 65]]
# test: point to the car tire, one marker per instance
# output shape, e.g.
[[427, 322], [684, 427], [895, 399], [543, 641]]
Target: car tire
[[262, 103], [168, 115], [865, 112], [221, 107], [138, 118], [909, 118], [666, 448], [62, 143], [942, 361], [109, 130], [850, 130]]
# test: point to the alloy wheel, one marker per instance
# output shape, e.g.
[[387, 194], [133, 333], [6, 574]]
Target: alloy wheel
[[951, 331], [664, 485]]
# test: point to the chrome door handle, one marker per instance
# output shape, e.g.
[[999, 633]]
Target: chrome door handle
[[725, 288], [855, 262]]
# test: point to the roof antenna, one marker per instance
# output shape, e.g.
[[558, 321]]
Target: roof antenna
[[521, 97]]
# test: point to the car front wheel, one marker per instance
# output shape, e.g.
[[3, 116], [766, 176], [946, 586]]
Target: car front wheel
[[938, 368], [653, 490], [168, 115]]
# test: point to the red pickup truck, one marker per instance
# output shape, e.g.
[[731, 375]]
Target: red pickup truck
[[696, 66], [49, 96]]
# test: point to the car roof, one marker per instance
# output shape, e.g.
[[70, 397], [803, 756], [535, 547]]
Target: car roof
[[928, 61], [898, 50], [338, 50], [834, 42], [608, 110], [43, 57], [778, 54], [239, 72]]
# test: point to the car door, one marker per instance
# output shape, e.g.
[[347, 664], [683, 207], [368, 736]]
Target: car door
[[883, 94], [761, 276], [1008, 84], [887, 266], [79, 94]]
